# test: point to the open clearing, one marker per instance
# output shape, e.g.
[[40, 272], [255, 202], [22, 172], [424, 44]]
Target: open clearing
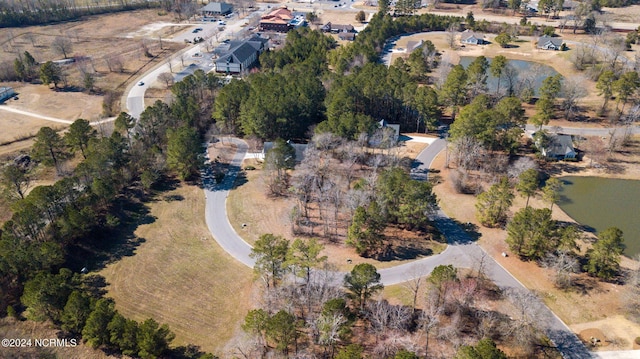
[[94, 40], [16, 130], [180, 276], [246, 205]]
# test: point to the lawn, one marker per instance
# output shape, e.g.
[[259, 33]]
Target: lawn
[[180, 276]]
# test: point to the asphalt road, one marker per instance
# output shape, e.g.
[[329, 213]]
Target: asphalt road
[[585, 131], [462, 250], [216, 208], [135, 97]]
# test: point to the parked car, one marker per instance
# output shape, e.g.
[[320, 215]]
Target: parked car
[[141, 83]]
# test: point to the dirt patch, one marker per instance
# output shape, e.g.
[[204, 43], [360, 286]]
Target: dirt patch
[[339, 17], [180, 276], [613, 333], [623, 14]]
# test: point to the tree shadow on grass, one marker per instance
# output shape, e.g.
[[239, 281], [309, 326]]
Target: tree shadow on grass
[[105, 244], [405, 253], [457, 232]]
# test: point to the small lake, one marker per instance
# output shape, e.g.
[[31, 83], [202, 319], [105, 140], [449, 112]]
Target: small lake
[[601, 203], [526, 74]]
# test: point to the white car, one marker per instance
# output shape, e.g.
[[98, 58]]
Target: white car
[[141, 83]]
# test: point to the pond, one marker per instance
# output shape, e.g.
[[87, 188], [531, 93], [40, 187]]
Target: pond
[[601, 203], [519, 75]]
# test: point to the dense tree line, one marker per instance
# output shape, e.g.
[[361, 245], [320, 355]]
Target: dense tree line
[[370, 41], [24, 13], [80, 214]]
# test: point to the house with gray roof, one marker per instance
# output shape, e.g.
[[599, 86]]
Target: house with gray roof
[[337, 28], [559, 147], [472, 38], [546, 42], [216, 8], [238, 56], [300, 149], [348, 36], [6, 93]]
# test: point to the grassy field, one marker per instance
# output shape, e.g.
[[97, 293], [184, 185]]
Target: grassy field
[[95, 39], [180, 276]]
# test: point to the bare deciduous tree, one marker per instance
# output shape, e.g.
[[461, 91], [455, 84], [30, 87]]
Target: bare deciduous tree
[[452, 32], [167, 78], [529, 315], [62, 46], [595, 149], [573, 89], [520, 165], [563, 264], [430, 318]]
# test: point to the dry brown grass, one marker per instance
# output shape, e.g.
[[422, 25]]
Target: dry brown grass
[[591, 304], [18, 130], [95, 37], [251, 205], [10, 328], [180, 276]]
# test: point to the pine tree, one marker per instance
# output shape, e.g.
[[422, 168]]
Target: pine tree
[[492, 205]]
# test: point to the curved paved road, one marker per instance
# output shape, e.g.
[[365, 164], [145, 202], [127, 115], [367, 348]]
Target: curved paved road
[[216, 208], [461, 252]]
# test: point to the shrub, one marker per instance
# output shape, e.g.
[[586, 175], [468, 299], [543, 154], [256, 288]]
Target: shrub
[[637, 340]]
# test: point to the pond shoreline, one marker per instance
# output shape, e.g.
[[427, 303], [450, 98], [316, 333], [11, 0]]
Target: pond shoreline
[[600, 203]]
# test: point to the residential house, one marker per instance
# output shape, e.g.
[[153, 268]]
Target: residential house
[[277, 20], [558, 146], [6, 93], [413, 45], [472, 38], [348, 36], [546, 42], [216, 8], [387, 135], [337, 28], [238, 56], [300, 148]]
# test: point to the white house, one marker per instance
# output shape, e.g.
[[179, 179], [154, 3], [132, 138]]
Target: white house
[[559, 147], [546, 42], [471, 38]]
